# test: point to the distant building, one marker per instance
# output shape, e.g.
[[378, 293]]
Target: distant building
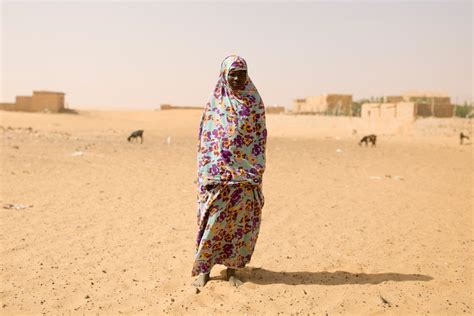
[[331, 104], [388, 118], [40, 101], [178, 107], [401, 111], [274, 109], [427, 103]]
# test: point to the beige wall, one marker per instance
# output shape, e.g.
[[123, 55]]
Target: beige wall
[[312, 104], [51, 101], [274, 109], [388, 117], [316, 104], [24, 103], [402, 111], [406, 111], [326, 103], [8, 106], [40, 101]]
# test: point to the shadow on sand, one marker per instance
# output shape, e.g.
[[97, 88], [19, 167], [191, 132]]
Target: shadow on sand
[[264, 277], [69, 111]]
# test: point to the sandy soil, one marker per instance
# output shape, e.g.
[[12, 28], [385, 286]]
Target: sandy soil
[[346, 229]]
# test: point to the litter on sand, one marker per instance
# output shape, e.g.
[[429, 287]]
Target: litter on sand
[[16, 206], [397, 178], [388, 176], [339, 150], [168, 140], [77, 153]]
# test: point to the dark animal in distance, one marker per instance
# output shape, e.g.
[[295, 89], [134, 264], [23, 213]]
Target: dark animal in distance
[[369, 139], [135, 136], [462, 136]]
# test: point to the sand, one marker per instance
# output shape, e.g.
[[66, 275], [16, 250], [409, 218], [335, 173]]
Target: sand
[[109, 226]]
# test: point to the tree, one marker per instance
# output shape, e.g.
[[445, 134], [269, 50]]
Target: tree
[[465, 110], [357, 106]]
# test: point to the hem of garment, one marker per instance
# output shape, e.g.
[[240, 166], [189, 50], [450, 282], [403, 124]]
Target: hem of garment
[[205, 181], [240, 266]]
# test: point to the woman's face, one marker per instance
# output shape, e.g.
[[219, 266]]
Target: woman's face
[[237, 79]]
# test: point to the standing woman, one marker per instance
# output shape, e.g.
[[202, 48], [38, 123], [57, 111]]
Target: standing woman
[[231, 162]]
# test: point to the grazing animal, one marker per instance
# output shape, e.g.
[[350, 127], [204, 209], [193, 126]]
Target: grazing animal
[[462, 136], [369, 138], [135, 136]]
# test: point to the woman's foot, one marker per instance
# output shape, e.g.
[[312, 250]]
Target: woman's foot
[[201, 280], [232, 278]]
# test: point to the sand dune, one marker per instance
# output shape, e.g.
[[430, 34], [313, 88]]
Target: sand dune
[[109, 226]]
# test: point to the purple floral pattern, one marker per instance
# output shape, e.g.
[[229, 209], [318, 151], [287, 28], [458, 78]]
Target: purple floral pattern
[[231, 163], [232, 133], [229, 218]]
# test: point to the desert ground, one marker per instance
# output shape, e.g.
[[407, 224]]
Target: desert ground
[[93, 224]]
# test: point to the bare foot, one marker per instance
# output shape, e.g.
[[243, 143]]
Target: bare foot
[[201, 280], [232, 278]]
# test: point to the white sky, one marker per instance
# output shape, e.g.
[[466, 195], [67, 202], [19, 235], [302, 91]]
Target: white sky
[[141, 54]]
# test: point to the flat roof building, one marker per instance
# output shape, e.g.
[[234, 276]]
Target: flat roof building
[[40, 101], [327, 104]]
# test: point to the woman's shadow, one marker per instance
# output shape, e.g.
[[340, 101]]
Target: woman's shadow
[[263, 277]]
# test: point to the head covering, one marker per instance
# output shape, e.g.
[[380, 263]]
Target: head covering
[[232, 135]]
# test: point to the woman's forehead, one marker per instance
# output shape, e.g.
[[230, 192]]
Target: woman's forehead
[[237, 70]]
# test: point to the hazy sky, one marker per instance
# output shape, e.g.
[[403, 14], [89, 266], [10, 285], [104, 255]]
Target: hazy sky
[[141, 54]]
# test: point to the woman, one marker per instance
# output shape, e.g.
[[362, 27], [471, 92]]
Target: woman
[[231, 162]]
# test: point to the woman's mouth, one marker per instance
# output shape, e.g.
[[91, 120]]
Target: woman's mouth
[[238, 85]]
